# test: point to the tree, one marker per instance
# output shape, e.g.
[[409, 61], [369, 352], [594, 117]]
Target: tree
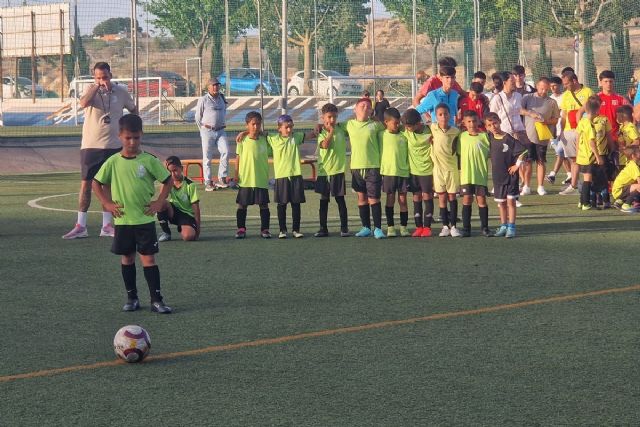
[[581, 17], [245, 54], [113, 26], [335, 23], [542, 65], [435, 18], [200, 23], [621, 60]]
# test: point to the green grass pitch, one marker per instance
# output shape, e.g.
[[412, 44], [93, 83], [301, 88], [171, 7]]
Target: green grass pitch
[[572, 362]]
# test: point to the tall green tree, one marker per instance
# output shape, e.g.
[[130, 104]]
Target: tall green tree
[[333, 23], [542, 64], [113, 26], [200, 23]]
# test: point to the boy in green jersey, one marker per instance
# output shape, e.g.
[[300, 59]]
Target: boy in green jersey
[[394, 168], [446, 177], [289, 186], [182, 208], [332, 156], [421, 171], [253, 176], [474, 172], [130, 176], [365, 167]]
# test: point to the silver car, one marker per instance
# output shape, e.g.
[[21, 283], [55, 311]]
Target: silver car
[[340, 87]]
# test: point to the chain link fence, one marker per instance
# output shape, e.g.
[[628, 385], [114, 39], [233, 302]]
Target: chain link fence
[[175, 46]]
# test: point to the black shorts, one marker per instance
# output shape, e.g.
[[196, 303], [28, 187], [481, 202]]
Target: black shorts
[[421, 184], [91, 159], [471, 189], [395, 184], [180, 218], [538, 153], [289, 190], [509, 189], [252, 196], [129, 239], [599, 175], [367, 181], [334, 185]]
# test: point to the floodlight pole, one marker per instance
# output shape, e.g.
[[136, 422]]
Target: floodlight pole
[[260, 63], [61, 56], [373, 41], [283, 72], [227, 59], [414, 58], [134, 52], [33, 58]]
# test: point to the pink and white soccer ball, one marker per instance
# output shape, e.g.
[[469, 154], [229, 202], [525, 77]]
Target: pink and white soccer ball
[[132, 343]]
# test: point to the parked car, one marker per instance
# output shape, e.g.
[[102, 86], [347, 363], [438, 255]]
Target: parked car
[[246, 81], [173, 84], [340, 87], [25, 86]]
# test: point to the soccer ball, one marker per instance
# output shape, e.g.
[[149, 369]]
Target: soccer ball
[[131, 343]]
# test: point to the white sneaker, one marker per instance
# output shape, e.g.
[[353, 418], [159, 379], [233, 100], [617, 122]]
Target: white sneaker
[[77, 232], [518, 204], [455, 232], [107, 231], [542, 191], [569, 191], [164, 237], [445, 231], [221, 184], [209, 186], [526, 190]]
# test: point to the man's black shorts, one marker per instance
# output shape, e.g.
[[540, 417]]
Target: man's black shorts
[[395, 184], [129, 239], [538, 153], [421, 184], [471, 189], [334, 185], [180, 218], [367, 181], [252, 196], [91, 159], [289, 190]]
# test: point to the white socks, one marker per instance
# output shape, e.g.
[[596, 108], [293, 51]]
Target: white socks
[[106, 218], [82, 219]]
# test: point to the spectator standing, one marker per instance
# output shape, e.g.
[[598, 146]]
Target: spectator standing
[[211, 112], [103, 103]]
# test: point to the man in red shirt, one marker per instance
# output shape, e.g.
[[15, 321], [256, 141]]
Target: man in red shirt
[[474, 101], [434, 81]]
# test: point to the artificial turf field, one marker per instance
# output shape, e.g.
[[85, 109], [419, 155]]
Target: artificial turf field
[[336, 331]]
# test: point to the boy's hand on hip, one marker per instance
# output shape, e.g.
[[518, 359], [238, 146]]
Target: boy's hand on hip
[[153, 208], [114, 208]]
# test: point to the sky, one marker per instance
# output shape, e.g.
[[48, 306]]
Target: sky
[[92, 12]]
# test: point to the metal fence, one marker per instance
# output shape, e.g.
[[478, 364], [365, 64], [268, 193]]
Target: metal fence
[[182, 43]]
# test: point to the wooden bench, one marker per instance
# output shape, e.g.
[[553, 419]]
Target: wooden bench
[[186, 163]]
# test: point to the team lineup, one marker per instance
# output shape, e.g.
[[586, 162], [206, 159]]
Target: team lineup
[[441, 148]]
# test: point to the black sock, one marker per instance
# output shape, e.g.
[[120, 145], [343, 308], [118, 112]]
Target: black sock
[[265, 218], [404, 218], [444, 216], [152, 274], [466, 217], [295, 213], [428, 212], [417, 213], [376, 213], [388, 210], [342, 210], [484, 217], [129, 277], [365, 216], [163, 218], [282, 216], [241, 217], [453, 214], [585, 196], [324, 213]]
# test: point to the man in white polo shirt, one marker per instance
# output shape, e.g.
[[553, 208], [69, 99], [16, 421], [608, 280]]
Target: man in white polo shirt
[[103, 103]]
